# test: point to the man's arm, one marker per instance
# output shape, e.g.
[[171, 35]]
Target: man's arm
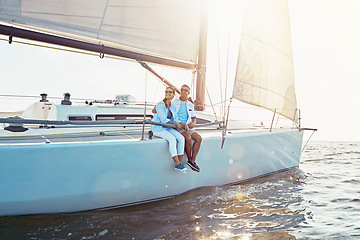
[[192, 123]]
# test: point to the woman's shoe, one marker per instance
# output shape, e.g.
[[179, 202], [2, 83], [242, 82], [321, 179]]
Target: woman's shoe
[[180, 167]]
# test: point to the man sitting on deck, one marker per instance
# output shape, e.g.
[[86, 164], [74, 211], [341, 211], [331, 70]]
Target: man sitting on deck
[[187, 119]]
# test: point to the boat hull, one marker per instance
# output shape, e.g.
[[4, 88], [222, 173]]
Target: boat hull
[[78, 176]]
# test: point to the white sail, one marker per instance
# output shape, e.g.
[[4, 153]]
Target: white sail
[[265, 72], [164, 28]]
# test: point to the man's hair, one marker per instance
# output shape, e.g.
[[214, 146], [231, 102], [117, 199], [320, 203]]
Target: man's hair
[[186, 86], [189, 92]]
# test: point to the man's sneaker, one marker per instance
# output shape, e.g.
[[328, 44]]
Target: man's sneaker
[[180, 168], [193, 166]]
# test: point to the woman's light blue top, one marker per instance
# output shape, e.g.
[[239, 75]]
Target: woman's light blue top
[[161, 116]]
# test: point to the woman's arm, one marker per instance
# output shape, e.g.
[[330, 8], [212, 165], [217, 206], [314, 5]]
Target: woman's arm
[[175, 118], [161, 111]]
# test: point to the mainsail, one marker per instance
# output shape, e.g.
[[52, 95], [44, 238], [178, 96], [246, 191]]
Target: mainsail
[[265, 72], [160, 28]]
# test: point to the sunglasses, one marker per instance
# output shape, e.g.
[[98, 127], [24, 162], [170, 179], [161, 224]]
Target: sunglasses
[[169, 92], [184, 90]]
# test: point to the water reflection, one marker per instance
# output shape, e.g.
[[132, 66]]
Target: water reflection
[[263, 209]]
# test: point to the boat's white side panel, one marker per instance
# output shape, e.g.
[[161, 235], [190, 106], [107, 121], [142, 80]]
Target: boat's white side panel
[[66, 177]]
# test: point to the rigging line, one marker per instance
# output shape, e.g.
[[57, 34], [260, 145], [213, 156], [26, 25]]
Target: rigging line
[[207, 91], [193, 84], [61, 14], [156, 89], [268, 108], [29, 96], [264, 89], [219, 65], [270, 46], [227, 67], [226, 123], [56, 48], [157, 85], [296, 118], [308, 140], [68, 50], [60, 98], [285, 11], [223, 102], [102, 19]]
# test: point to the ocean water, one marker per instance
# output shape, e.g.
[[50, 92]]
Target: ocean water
[[320, 200]]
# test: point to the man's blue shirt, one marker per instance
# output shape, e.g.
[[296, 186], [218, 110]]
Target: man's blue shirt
[[182, 112]]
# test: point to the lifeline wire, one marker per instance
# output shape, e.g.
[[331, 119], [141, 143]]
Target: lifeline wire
[[144, 120]]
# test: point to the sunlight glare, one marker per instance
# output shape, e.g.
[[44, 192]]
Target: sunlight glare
[[239, 196], [223, 234], [245, 237]]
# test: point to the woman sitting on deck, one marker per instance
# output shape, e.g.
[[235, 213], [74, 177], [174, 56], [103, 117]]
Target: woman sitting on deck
[[166, 113]]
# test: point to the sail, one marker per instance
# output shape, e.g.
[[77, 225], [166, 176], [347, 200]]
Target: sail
[[168, 29], [265, 72]]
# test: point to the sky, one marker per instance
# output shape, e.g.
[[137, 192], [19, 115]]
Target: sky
[[326, 37], [326, 50]]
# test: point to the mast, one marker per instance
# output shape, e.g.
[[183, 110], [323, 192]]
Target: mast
[[201, 64]]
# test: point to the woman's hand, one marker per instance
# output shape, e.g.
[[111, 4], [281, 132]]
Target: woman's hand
[[191, 125], [178, 125]]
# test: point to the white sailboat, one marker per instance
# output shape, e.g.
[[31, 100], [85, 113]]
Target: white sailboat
[[96, 156]]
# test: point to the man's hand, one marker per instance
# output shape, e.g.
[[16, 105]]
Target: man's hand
[[192, 123], [185, 126]]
